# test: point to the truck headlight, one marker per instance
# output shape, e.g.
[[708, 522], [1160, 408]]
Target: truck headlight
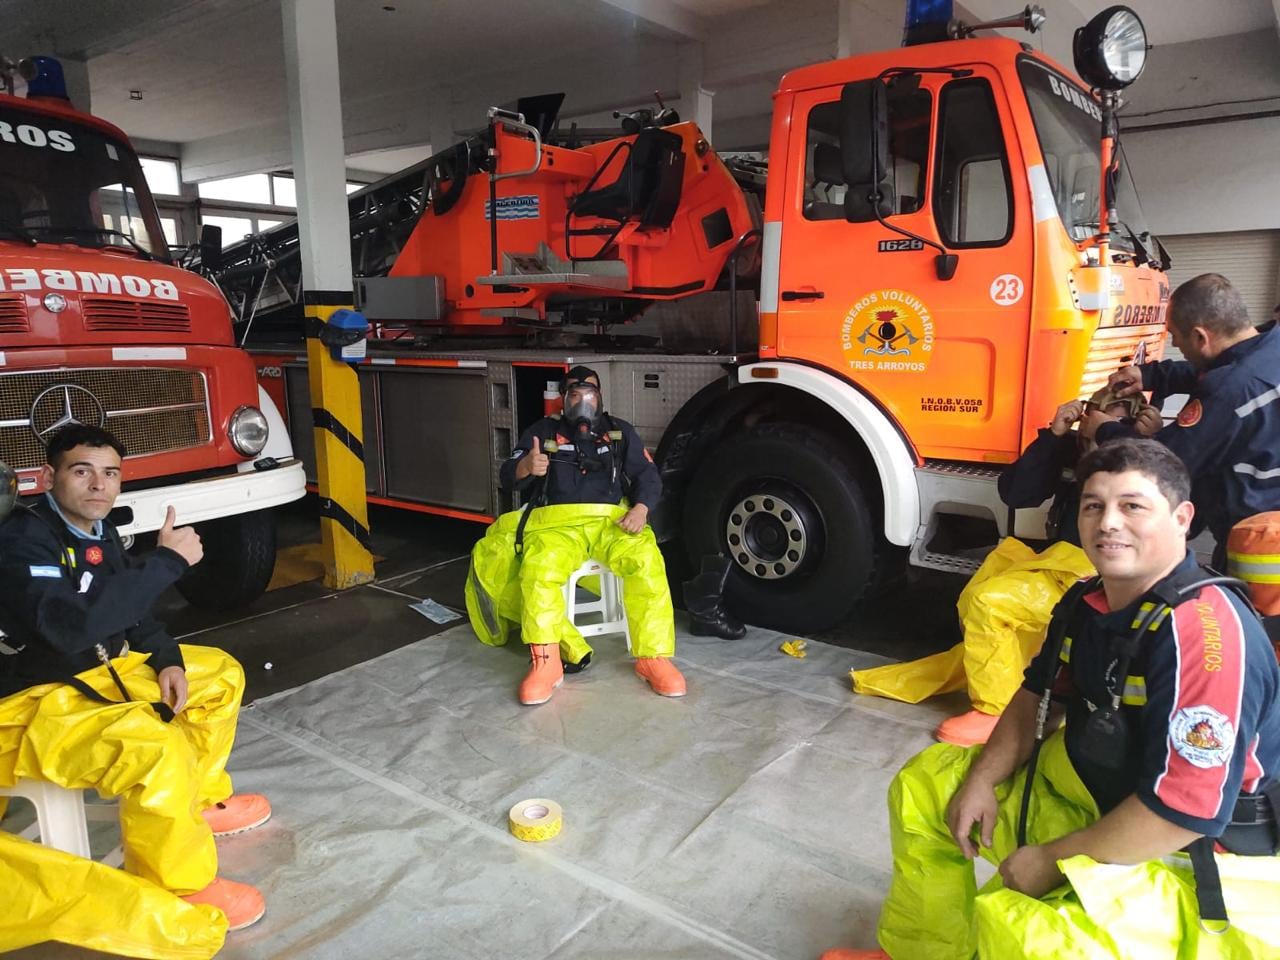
[[1111, 49], [248, 430]]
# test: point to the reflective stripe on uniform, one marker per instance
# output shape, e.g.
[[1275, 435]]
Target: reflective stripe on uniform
[[1251, 470], [1258, 402], [1254, 567]]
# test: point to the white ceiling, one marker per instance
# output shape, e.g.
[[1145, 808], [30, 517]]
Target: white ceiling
[[212, 70]]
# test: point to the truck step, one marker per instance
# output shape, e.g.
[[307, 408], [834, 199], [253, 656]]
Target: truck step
[[946, 562]]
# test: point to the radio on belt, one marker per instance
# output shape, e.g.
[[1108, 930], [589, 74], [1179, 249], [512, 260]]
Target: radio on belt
[[344, 335]]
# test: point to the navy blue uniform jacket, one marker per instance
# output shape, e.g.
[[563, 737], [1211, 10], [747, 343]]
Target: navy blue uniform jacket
[[1202, 700], [63, 596], [637, 478]]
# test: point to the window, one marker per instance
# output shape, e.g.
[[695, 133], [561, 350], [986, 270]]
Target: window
[[162, 175], [286, 194], [824, 185], [254, 188], [1069, 127], [234, 229], [972, 198]]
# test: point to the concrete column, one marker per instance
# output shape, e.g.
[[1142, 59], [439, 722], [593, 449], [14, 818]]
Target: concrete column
[[846, 11], [695, 100], [440, 119], [315, 128], [76, 73]]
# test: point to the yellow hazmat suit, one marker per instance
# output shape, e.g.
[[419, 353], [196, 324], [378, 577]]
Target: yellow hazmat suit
[[504, 590], [1004, 611], [1140, 912], [163, 775]]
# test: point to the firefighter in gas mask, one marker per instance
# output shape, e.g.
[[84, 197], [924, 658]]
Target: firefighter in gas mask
[[590, 486]]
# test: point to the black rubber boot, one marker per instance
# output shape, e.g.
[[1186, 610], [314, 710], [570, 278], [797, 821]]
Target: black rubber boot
[[704, 599]]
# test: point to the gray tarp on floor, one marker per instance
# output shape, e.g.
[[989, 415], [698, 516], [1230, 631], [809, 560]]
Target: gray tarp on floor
[[746, 820]]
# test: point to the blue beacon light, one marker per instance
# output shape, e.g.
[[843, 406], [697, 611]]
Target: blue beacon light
[[44, 77]]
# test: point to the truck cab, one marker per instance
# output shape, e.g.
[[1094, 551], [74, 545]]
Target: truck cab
[[98, 325]]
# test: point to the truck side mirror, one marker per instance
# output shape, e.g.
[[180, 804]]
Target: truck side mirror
[[864, 151], [210, 247]]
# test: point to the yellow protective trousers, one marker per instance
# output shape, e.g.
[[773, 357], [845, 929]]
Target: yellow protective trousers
[[1004, 611], [503, 589], [163, 775], [1140, 912]]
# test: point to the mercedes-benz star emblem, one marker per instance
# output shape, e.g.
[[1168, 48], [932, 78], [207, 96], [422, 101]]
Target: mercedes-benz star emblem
[[62, 405]]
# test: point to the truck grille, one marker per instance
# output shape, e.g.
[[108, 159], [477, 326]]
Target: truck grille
[[105, 314], [1112, 347], [150, 409], [13, 313]]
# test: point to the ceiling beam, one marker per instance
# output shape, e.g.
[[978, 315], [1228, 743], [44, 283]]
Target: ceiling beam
[[667, 16]]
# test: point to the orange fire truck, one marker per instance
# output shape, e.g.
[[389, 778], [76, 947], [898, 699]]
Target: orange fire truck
[[950, 246], [99, 326]]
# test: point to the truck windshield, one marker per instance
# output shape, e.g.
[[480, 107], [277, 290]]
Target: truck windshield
[[63, 182], [1069, 126]]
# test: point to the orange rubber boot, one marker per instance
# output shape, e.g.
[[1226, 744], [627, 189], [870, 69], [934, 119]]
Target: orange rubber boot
[[843, 954], [545, 674], [968, 729], [238, 813], [661, 674], [242, 903]]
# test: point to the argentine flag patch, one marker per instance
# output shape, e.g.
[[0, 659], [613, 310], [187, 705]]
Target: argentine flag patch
[[54, 572]]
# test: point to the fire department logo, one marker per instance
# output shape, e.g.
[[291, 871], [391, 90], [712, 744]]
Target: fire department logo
[[62, 405], [1202, 736], [1190, 415], [888, 330], [93, 555]]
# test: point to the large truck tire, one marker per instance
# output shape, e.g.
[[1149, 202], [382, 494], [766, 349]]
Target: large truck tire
[[782, 502], [239, 556]]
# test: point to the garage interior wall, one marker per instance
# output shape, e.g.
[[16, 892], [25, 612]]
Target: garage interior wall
[[1249, 259]]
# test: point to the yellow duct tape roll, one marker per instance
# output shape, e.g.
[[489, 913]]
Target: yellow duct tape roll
[[535, 820]]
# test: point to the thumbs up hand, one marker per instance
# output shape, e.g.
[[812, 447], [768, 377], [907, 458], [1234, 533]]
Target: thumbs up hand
[[183, 541]]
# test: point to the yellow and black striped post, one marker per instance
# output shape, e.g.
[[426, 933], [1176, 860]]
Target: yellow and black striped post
[[339, 428]]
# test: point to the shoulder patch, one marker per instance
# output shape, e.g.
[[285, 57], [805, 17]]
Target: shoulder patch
[[43, 571], [1202, 736], [1190, 415]]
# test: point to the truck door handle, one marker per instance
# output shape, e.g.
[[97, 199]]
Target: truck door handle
[[802, 294]]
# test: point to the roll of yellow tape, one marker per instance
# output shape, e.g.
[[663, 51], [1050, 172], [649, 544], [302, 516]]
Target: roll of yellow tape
[[535, 820]]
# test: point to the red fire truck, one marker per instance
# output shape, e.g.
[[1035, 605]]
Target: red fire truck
[[99, 325]]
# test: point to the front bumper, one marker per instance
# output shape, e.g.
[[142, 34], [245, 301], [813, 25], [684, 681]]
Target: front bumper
[[209, 499]]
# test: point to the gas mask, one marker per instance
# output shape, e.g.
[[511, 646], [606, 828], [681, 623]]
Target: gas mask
[[582, 404]]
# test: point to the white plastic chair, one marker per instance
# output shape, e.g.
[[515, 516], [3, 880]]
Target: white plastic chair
[[609, 606], [62, 818]]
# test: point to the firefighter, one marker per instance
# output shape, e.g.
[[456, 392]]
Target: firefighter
[[1172, 735], [1228, 434], [96, 693], [591, 486]]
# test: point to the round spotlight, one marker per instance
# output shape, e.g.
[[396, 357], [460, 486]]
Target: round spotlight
[[1111, 49]]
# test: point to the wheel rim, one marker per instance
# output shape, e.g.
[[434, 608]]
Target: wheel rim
[[772, 534]]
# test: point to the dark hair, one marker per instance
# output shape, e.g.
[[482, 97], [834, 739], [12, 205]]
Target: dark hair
[[577, 375], [1153, 460], [1209, 301], [79, 435]]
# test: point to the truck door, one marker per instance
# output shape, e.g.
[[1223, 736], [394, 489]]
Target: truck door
[[945, 358]]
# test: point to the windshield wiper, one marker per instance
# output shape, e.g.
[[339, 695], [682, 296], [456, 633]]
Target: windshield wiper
[[97, 232], [1141, 253], [22, 233]]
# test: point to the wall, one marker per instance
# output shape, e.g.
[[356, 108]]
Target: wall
[[1195, 172]]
